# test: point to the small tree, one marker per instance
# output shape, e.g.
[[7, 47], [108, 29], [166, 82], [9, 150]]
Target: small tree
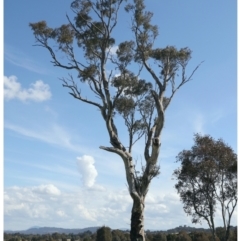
[[207, 175], [171, 237], [142, 104], [233, 235], [104, 234], [159, 237], [183, 236], [199, 236], [118, 235], [220, 231]]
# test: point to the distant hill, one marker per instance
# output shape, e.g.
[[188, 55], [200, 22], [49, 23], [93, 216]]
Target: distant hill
[[50, 230], [187, 229]]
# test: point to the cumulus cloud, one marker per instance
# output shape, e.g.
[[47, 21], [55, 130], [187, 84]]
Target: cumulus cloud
[[87, 170], [71, 208], [27, 206], [49, 189], [29, 203], [38, 91]]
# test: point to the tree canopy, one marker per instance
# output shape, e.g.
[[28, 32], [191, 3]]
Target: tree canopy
[[207, 177]]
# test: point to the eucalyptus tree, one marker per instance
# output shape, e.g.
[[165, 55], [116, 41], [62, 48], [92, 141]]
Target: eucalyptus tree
[[207, 177], [141, 103]]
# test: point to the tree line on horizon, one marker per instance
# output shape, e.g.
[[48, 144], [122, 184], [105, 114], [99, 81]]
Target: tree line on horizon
[[106, 234]]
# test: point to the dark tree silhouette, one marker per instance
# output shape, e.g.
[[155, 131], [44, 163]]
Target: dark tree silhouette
[[104, 234]]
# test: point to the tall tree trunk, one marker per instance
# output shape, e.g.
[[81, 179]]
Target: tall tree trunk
[[212, 220], [227, 233], [137, 220], [213, 234]]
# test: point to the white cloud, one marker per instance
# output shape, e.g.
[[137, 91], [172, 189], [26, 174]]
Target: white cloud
[[37, 91], [29, 203], [117, 74], [86, 213], [49, 189], [25, 207], [36, 207], [87, 170], [113, 49], [61, 213], [97, 187]]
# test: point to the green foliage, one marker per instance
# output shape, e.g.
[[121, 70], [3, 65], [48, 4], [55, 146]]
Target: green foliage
[[144, 31], [125, 54], [134, 103], [183, 236], [118, 235], [233, 235], [171, 237], [91, 70], [159, 237], [199, 236], [170, 59], [131, 85], [87, 238], [41, 29], [104, 234], [210, 237], [172, 55], [220, 231], [207, 175]]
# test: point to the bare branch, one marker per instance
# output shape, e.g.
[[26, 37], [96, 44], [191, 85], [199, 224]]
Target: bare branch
[[77, 94], [184, 81]]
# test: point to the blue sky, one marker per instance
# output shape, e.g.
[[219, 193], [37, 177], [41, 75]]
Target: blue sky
[[54, 172]]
